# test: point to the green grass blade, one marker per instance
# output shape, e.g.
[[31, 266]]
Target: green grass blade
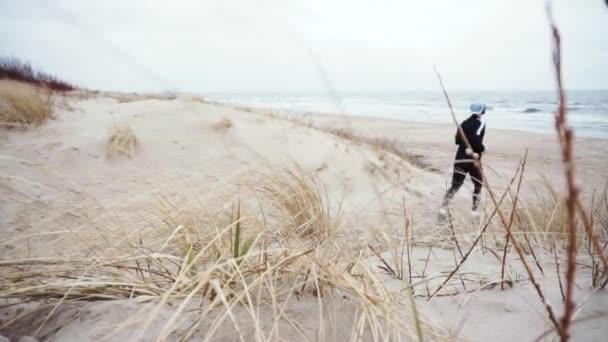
[[237, 235]]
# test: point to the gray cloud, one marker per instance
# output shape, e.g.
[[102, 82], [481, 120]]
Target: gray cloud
[[237, 45]]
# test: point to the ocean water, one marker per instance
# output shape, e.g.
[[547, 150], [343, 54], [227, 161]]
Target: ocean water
[[530, 111]]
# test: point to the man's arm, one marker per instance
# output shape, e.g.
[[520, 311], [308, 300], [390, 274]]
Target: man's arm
[[483, 133], [458, 136]]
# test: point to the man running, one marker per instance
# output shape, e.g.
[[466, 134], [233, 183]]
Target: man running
[[467, 158]]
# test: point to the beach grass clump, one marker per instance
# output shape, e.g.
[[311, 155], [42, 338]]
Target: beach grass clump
[[23, 105], [301, 119], [543, 215], [121, 142], [400, 150], [343, 133], [388, 145], [228, 272], [223, 126], [300, 198], [599, 221]]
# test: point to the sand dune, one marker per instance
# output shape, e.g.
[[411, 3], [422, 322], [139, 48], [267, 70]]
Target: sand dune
[[186, 154]]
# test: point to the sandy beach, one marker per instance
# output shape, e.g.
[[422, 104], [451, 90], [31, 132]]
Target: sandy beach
[[64, 198]]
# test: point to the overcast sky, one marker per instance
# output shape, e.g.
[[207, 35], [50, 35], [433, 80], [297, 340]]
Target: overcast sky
[[274, 45]]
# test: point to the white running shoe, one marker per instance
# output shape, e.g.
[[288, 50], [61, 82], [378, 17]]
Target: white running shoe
[[475, 214], [442, 216]]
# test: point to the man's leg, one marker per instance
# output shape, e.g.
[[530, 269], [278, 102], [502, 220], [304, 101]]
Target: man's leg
[[477, 179], [457, 180]]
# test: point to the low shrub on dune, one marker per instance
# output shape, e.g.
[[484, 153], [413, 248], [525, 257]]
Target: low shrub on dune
[[14, 69]]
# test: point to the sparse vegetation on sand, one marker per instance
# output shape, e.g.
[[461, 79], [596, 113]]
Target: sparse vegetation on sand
[[122, 142], [135, 97], [23, 105], [233, 272], [385, 145], [252, 262], [392, 146]]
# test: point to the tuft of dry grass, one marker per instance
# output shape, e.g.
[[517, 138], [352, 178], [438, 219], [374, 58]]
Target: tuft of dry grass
[[222, 126], [343, 133], [199, 99], [122, 142], [23, 105], [300, 197], [542, 215], [599, 222]]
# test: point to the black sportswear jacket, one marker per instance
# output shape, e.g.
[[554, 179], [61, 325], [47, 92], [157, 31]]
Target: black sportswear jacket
[[474, 129]]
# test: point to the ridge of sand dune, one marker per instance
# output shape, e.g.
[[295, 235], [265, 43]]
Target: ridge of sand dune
[[184, 145]]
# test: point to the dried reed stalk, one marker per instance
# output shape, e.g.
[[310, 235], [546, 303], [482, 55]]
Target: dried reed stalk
[[513, 211]]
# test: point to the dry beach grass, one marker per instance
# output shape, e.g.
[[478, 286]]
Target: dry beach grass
[[23, 105], [121, 142], [243, 272]]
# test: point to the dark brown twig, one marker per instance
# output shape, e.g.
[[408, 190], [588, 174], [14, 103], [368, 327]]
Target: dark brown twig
[[557, 271], [513, 210], [540, 268], [593, 238], [459, 274], [387, 268], [426, 263], [565, 137], [454, 233]]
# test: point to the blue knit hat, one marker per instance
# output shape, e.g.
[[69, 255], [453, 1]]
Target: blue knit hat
[[478, 108]]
